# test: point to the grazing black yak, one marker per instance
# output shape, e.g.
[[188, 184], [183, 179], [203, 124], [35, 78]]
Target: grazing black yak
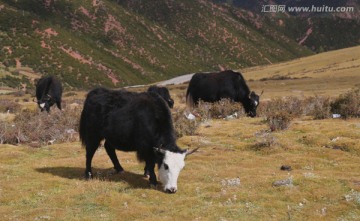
[[164, 93], [129, 121], [48, 92], [212, 87]]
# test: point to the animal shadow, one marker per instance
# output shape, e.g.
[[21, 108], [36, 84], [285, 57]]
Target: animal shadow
[[133, 179]]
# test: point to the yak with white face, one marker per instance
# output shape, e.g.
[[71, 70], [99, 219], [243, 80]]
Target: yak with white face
[[169, 169], [137, 122]]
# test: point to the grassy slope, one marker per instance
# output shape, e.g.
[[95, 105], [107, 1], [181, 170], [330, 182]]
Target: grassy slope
[[46, 183], [330, 73]]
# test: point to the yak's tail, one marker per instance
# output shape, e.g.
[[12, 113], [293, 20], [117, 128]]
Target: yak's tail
[[89, 127], [82, 125], [189, 99]]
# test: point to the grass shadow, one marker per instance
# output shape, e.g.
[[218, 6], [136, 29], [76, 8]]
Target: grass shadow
[[133, 179]]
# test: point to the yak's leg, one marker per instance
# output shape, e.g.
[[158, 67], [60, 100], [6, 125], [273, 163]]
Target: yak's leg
[[146, 172], [90, 151], [150, 166], [58, 104], [112, 154], [47, 107]]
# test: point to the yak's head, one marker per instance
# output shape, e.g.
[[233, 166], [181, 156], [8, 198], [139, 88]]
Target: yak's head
[[170, 166], [45, 103], [164, 93], [254, 101]]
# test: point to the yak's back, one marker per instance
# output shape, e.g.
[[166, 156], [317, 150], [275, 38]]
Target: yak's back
[[102, 104], [48, 85], [212, 87]]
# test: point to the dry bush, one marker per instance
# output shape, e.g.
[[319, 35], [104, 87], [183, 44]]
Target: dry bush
[[8, 105], [8, 133], [318, 107], [39, 128], [220, 109], [182, 125], [18, 93], [348, 104], [279, 120], [181, 97], [264, 139], [292, 105]]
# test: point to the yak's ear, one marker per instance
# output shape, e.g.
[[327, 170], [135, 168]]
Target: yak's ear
[[252, 93], [159, 150]]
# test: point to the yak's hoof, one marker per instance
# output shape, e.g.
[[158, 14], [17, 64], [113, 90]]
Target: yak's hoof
[[88, 175], [147, 174], [120, 171], [153, 186]]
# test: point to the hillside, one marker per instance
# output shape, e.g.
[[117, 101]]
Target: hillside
[[330, 73], [326, 74], [318, 30], [119, 43]]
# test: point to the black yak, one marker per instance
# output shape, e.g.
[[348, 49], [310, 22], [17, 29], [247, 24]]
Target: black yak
[[212, 87], [164, 93], [48, 92], [129, 121]]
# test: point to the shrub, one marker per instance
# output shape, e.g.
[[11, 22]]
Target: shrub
[[292, 105], [348, 104], [9, 133], [220, 109], [70, 94], [8, 105], [182, 125], [318, 107], [279, 120], [39, 128], [264, 139], [181, 98]]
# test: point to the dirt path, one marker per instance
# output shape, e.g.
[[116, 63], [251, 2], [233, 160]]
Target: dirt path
[[176, 80]]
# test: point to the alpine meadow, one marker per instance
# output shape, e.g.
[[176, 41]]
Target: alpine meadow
[[297, 159]]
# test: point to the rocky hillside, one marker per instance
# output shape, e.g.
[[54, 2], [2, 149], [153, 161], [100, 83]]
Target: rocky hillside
[[319, 29], [118, 43]]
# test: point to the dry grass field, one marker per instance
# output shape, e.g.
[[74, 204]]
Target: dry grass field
[[235, 175], [329, 73]]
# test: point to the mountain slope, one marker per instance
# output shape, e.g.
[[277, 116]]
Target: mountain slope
[[320, 29], [118, 43]]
